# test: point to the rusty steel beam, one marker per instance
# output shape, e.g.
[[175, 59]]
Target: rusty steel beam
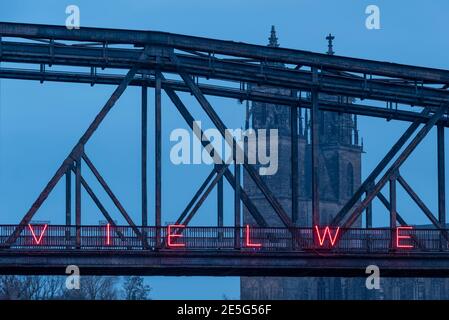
[[395, 166], [369, 212], [220, 199], [76, 151], [237, 210], [393, 210], [246, 200], [68, 198], [68, 202], [100, 207], [224, 263], [420, 203], [97, 202], [158, 159], [221, 91], [114, 198], [219, 174], [213, 46], [393, 202], [196, 196], [358, 87], [294, 162], [387, 205], [315, 153], [441, 176], [144, 155], [369, 181], [399, 218], [78, 201], [251, 171], [228, 175]]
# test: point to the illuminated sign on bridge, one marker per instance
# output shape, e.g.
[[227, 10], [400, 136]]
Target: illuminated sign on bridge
[[203, 238]]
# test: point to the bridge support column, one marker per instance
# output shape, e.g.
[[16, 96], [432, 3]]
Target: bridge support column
[[294, 163], [441, 182], [393, 214], [220, 213], [315, 155], [369, 217], [68, 203], [158, 162], [369, 213], [78, 201], [237, 213], [144, 155]]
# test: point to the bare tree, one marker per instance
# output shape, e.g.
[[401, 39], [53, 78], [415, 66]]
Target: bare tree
[[134, 288], [53, 287], [99, 288], [30, 287], [10, 288]]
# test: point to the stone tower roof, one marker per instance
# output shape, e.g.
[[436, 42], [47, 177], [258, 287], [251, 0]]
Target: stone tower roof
[[273, 39]]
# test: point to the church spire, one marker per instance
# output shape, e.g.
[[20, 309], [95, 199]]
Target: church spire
[[330, 38], [273, 39]]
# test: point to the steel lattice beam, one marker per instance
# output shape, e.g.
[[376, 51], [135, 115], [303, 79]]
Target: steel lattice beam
[[76, 152], [359, 87], [243, 63], [221, 91], [231, 48]]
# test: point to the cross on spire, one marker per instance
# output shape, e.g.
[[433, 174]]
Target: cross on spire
[[273, 39], [330, 38]]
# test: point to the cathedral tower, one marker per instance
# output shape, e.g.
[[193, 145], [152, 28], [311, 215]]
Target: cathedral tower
[[340, 174]]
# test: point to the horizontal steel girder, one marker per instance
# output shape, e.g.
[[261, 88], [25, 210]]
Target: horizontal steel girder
[[231, 48], [219, 91], [222, 263], [223, 70]]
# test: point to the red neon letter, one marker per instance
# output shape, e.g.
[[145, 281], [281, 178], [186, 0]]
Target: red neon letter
[[38, 241], [248, 243], [327, 232], [108, 234], [399, 237], [171, 236]]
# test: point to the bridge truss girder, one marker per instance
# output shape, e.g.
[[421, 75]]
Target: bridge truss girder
[[421, 92]]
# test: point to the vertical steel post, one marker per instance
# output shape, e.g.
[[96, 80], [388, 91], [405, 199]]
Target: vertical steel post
[[315, 153], [158, 162], [441, 181], [68, 203], [294, 162], [220, 214], [441, 177], [78, 201], [393, 210], [75, 153], [237, 214], [369, 217], [369, 214], [144, 155]]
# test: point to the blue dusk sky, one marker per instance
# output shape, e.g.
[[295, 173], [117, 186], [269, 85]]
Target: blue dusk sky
[[40, 123]]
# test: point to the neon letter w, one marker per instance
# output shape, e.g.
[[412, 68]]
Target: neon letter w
[[327, 233]]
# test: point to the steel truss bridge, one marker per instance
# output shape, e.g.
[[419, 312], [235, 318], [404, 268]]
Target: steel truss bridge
[[178, 63]]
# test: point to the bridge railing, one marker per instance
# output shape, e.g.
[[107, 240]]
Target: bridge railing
[[57, 237]]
